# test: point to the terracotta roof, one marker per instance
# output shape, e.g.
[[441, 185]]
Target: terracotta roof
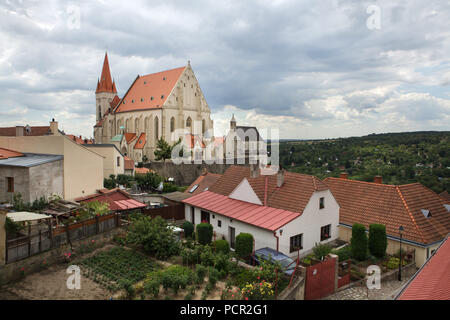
[[140, 141], [432, 281], [130, 137], [141, 170], [105, 84], [114, 101], [128, 163], [150, 91], [34, 131], [257, 215], [192, 139], [206, 180], [394, 206], [117, 199], [6, 153], [79, 139], [445, 195], [293, 195]]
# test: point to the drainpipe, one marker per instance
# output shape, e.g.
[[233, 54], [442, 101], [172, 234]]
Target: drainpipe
[[278, 239]]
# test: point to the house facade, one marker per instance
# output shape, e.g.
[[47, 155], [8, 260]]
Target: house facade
[[113, 159], [285, 211]]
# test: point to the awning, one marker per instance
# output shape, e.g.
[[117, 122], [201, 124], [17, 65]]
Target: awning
[[129, 204], [26, 216]]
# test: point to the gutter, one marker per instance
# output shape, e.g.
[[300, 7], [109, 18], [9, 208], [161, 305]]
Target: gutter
[[278, 240]]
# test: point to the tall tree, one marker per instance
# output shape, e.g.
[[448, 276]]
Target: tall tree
[[163, 150]]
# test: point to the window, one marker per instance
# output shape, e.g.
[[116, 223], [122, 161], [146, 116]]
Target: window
[[10, 181], [118, 161], [325, 232], [172, 124], [188, 122], [162, 96], [296, 243], [204, 216], [151, 98], [142, 99], [219, 223], [322, 203], [193, 188]]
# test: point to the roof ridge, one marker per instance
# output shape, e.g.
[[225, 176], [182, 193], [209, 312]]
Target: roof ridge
[[359, 181], [409, 212], [150, 74]]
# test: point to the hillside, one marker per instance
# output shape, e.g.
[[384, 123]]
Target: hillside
[[399, 157]]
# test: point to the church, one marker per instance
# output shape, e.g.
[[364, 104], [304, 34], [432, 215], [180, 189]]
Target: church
[[155, 106]]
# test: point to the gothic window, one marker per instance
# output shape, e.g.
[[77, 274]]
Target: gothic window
[[136, 125], [203, 126], [156, 128], [172, 124], [189, 122]]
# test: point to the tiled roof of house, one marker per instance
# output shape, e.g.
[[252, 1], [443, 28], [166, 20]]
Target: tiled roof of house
[[205, 180], [140, 142], [141, 170], [79, 139], [34, 131], [149, 91], [445, 195], [191, 140], [117, 199], [260, 216], [293, 195], [394, 206], [6, 153], [130, 137], [432, 281], [128, 163], [105, 84]]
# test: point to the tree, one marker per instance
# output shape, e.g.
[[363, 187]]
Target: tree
[[244, 244], [148, 181], [359, 242], [163, 150], [204, 233], [377, 240], [188, 228]]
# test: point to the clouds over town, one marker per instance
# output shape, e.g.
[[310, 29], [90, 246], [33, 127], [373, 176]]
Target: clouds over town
[[313, 68]]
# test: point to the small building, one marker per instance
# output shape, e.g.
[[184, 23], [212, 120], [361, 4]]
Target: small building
[[128, 166], [285, 211], [202, 183], [117, 199], [32, 175], [423, 214], [113, 159]]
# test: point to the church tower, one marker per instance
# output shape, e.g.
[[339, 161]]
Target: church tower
[[106, 91]]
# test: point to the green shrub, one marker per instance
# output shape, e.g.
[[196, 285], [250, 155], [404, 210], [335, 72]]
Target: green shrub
[[200, 272], [206, 256], [394, 262], [244, 244], [222, 262], [377, 240], [344, 253], [204, 233], [321, 250], [151, 287], [222, 246], [359, 242], [176, 277], [11, 227], [213, 276], [128, 286], [188, 228]]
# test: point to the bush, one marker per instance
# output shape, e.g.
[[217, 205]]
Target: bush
[[151, 287], [394, 262], [213, 276], [359, 242], [222, 262], [188, 228], [200, 272], [377, 240], [127, 285], [221, 246], [11, 227], [244, 245], [176, 277], [204, 233], [153, 233], [344, 253], [206, 256], [321, 251]]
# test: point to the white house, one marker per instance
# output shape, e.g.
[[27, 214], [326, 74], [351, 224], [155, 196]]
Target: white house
[[286, 211]]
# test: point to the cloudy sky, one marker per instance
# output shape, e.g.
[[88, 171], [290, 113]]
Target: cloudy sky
[[313, 69]]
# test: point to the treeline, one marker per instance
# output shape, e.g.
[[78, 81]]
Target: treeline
[[399, 157]]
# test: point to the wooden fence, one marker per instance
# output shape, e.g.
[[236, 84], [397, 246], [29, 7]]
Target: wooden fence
[[168, 213]]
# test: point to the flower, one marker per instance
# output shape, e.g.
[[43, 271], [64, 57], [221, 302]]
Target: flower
[[246, 298]]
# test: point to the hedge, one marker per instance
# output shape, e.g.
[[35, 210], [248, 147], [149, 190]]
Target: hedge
[[188, 228], [244, 244], [204, 233], [222, 246], [377, 240], [359, 242]]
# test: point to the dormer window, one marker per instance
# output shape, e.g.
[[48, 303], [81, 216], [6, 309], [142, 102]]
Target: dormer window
[[142, 99], [162, 96], [151, 98], [193, 188], [447, 206], [132, 101], [145, 82], [426, 213], [164, 78]]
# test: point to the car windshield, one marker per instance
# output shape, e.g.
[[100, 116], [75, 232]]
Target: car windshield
[[287, 263]]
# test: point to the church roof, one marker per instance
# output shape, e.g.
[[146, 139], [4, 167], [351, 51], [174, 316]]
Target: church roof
[[105, 84], [150, 91]]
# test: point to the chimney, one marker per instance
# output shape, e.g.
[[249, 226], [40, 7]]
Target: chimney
[[54, 126], [19, 131], [344, 175], [378, 179], [280, 178], [254, 170]]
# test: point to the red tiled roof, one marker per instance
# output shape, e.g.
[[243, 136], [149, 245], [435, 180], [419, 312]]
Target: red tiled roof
[[192, 139], [6, 153], [157, 85], [432, 281], [34, 131], [114, 101], [206, 180], [445, 195], [128, 163], [393, 206], [140, 142], [117, 199], [130, 137], [79, 139], [260, 216], [141, 170], [105, 84], [293, 195]]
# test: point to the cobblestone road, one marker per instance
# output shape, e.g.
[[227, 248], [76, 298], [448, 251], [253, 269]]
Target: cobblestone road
[[387, 292]]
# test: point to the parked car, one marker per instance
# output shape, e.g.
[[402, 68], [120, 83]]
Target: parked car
[[288, 264]]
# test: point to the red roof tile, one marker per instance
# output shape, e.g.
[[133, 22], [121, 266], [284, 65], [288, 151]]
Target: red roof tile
[[206, 180], [140, 142], [128, 163], [105, 84], [117, 199], [445, 195], [192, 139], [79, 139], [141, 170], [34, 131], [260, 216], [6, 153], [150, 91], [130, 137], [432, 281], [394, 206]]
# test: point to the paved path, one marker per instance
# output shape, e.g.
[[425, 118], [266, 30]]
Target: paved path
[[387, 292]]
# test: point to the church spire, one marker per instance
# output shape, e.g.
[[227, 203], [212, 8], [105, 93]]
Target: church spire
[[106, 84]]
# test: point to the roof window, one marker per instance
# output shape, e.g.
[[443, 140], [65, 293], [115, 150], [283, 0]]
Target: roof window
[[193, 188], [164, 78], [142, 99], [447, 206], [426, 213], [162, 96], [132, 101]]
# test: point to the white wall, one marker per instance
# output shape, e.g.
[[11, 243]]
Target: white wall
[[308, 224]]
